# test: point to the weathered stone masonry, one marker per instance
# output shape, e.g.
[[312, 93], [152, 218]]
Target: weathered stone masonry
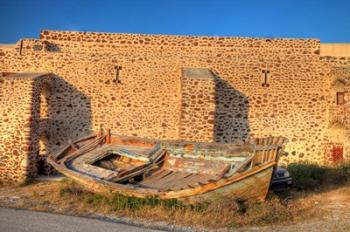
[[197, 105], [19, 125], [221, 89]]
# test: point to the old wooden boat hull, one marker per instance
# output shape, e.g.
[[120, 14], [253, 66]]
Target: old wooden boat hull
[[250, 181], [252, 186]]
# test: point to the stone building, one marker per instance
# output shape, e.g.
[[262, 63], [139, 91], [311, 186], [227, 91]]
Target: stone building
[[209, 89]]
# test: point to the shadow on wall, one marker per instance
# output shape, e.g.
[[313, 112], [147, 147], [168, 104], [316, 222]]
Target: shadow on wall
[[62, 113], [231, 114]]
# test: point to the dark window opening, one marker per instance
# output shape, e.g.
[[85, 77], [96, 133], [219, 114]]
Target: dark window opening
[[41, 167], [340, 98]]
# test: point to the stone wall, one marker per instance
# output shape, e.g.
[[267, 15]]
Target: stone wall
[[262, 87], [197, 105], [20, 125]]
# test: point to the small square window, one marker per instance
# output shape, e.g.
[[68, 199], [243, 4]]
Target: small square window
[[340, 98]]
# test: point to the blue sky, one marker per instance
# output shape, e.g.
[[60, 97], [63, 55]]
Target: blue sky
[[328, 20]]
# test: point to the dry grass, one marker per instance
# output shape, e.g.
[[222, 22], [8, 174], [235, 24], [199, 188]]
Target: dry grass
[[226, 213], [68, 197]]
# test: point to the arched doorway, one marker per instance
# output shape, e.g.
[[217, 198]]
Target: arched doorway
[[44, 130]]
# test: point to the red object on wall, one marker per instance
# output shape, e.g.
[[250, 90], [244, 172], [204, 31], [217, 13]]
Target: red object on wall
[[337, 154]]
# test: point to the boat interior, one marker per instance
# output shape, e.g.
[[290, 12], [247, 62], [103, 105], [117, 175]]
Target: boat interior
[[154, 168]]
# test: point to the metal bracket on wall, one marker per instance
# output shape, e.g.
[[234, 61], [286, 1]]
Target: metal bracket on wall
[[265, 84], [117, 68]]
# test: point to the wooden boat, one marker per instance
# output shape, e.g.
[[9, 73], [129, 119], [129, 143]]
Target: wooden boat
[[190, 172]]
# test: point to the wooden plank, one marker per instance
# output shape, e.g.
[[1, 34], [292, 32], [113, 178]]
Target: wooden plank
[[194, 181], [266, 147], [156, 176], [281, 146], [74, 146], [258, 157], [170, 180], [197, 181], [157, 156], [267, 155], [96, 155], [111, 176], [84, 149], [161, 178], [185, 182], [273, 154], [129, 173], [265, 151], [153, 174], [207, 180], [154, 150], [142, 185], [137, 171]]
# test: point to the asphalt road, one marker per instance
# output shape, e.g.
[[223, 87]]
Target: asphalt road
[[12, 220]]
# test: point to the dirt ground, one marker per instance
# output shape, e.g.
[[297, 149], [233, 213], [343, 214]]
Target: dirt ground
[[333, 206]]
